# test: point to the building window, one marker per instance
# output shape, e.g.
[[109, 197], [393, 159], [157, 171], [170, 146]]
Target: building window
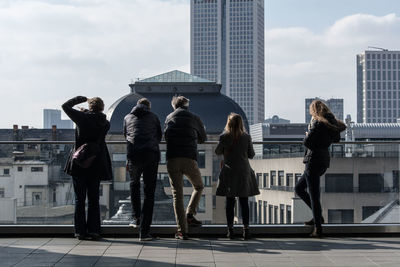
[[270, 212], [206, 180], [281, 175], [341, 216], [265, 180], [6, 171], [214, 202], [163, 157], [275, 214], [36, 169], [369, 210], [272, 178], [288, 214], [289, 179], [297, 177], [371, 182], [338, 182], [259, 211], [201, 161], [282, 213], [265, 207], [1, 192], [19, 168]]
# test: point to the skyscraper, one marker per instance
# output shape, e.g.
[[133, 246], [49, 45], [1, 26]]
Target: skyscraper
[[53, 117], [378, 86], [334, 104], [227, 46]]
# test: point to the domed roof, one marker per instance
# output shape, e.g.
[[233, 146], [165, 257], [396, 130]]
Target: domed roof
[[206, 101]]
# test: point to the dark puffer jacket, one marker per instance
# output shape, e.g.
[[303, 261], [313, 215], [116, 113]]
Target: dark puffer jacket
[[320, 137], [90, 127], [183, 131], [142, 130]]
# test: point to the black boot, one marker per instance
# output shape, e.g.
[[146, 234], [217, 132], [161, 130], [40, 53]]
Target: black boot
[[246, 233], [230, 233]]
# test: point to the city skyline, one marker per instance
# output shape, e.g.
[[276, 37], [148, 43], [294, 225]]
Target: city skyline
[[55, 50]]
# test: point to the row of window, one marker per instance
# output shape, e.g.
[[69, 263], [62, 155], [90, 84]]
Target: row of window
[[383, 75], [385, 114], [6, 172], [384, 56], [383, 64]]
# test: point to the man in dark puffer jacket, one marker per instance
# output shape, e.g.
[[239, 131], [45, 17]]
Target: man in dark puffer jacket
[[142, 131], [183, 130]]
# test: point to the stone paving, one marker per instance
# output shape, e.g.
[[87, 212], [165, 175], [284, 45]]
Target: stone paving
[[217, 252]]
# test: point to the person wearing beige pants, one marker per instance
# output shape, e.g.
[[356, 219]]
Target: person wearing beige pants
[[183, 131], [177, 167]]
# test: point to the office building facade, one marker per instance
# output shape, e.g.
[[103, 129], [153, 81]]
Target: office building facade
[[227, 47], [52, 117], [335, 105], [378, 86]]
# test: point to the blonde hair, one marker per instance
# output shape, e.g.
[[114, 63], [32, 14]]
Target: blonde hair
[[319, 111], [96, 104], [234, 126]]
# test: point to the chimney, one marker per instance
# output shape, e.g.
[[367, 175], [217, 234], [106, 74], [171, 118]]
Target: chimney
[[15, 127], [54, 132]]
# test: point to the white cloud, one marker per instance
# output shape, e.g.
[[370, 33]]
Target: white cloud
[[301, 63], [53, 50]]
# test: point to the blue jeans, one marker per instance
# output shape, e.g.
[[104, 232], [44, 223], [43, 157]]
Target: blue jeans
[[311, 180], [87, 185]]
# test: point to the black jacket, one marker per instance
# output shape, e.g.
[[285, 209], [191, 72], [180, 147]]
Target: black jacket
[[320, 136], [142, 131], [183, 130], [90, 127]]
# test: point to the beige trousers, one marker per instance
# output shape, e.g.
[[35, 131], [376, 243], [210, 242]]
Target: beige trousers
[[177, 167]]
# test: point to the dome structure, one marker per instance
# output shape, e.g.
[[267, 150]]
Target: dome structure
[[205, 98]]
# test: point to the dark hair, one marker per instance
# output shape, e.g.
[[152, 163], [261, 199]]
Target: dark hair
[[179, 102], [144, 101], [96, 104]]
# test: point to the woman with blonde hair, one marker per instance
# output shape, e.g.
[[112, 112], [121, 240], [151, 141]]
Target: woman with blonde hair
[[236, 179], [323, 130]]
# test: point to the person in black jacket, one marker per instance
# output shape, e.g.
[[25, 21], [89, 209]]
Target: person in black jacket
[[183, 130], [91, 127], [142, 131], [324, 129]]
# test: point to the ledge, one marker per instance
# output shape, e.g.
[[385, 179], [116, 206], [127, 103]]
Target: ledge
[[295, 230]]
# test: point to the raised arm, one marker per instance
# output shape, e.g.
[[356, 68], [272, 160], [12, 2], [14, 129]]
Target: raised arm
[[75, 115]]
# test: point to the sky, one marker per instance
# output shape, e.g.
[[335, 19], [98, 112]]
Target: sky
[[52, 50]]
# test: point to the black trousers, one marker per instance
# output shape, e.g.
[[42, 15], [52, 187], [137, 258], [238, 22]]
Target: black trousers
[[230, 207], [311, 180], [86, 186], [148, 166]]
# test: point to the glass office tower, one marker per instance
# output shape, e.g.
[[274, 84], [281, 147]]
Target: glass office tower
[[227, 46]]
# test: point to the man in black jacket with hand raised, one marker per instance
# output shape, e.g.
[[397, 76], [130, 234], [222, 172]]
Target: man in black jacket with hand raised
[[143, 134]]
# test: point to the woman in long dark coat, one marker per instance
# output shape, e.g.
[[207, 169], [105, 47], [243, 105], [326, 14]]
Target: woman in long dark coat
[[324, 129], [236, 179], [91, 127]]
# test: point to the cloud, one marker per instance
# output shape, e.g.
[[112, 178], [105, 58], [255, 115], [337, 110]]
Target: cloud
[[54, 50], [301, 63]]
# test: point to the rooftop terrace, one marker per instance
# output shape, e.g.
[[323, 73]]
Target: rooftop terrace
[[201, 252]]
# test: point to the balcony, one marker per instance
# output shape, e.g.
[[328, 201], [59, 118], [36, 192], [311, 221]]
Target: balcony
[[359, 194]]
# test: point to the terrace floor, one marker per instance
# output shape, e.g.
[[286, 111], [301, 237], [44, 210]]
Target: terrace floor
[[329, 251]]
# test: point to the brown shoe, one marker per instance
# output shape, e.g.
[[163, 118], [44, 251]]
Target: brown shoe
[[193, 222]]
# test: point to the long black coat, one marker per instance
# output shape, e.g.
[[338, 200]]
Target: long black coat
[[183, 130], [90, 127], [320, 136], [236, 179], [142, 131]]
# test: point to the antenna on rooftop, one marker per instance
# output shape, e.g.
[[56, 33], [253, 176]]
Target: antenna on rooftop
[[379, 48]]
